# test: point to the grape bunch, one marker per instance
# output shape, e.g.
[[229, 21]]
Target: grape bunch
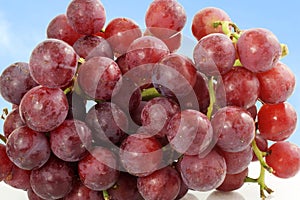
[[107, 110]]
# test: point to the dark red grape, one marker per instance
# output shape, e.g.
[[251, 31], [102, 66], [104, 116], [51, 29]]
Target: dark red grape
[[258, 49], [12, 121], [86, 17], [174, 75], [140, 154], [27, 148], [136, 114], [108, 122], [53, 63], [43, 109], [98, 76], [214, 54], [253, 112], [203, 174], [162, 184], [233, 181], [145, 50], [203, 21], [284, 158], [277, 122], [5, 163], [190, 132], [89, 46], [276, 84], [237, 162], [71, 140], [99, 170], [81, 192], [125, 188], [32, 196], [157, 113], [120, 33], [59, 28], [241, 86], [262, 145], [165, 18], [234, 127], [15, 81], [18, 178]]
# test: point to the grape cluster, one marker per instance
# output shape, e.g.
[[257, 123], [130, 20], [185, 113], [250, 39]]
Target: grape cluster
[[114, 112]]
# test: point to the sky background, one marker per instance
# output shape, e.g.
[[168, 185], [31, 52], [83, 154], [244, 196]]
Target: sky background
[[23, 25]]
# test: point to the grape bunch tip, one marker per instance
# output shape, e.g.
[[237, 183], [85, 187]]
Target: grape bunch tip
[[106, 110]]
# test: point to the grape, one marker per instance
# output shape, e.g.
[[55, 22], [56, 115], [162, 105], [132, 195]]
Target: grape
[[121, 61], [258, 49], [93, 46], [18, 178], [277, 122], [203, 174], [59, 28], [32, 196], [71, 140], [234, 127], [157, 113], [276, 84], [253, 111], [140, 154], [53, 63], [190, 132], [165, 18], [203, 21], [174, 75], [98, 171], [162, 184], [28, 149], [43, 109], [81, 192], [241, 87], [54, 180], [284, 158], [237, 162], [15, 81], [233, 181], [183, 190], [125, 188], [120, 33], [174, 42], [145, 50], [86, 17], [137, 112], [108, 121], [262, 145], [5, 163], [214, 54], [13, 121], [98, 76]]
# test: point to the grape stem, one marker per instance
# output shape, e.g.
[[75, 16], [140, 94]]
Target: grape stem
[[263, 167], [150, 93], [3, 138], [4, 113], [212, 97], [105, 195]]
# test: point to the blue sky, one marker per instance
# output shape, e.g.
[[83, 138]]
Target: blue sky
[[23, 25]]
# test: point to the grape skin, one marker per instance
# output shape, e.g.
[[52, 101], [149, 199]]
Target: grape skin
[[43, 109], [13, 121], [81, 192], [233, 181], [5, 163], [19, 178]]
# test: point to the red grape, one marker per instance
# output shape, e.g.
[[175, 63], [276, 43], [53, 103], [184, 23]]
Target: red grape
[[99, 170], [165, 18], [277, 122], [203, 21], [233, 181], [53, 63], [15, 81], [258, 49], [284, 158], [28, 149], [162, 184], [120, 33], [86, 17], [43, 109], [13, 121], [276, 84], [98, 76], [19, 178], [81, 192], [234, 127], [5, 163], [59, 28]]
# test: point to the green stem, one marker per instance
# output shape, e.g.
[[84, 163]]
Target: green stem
[[150, 93], [68, 90], [3, 138], [284, 50], [105, 195], [212, 97], [260, 157], [4, 113]]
